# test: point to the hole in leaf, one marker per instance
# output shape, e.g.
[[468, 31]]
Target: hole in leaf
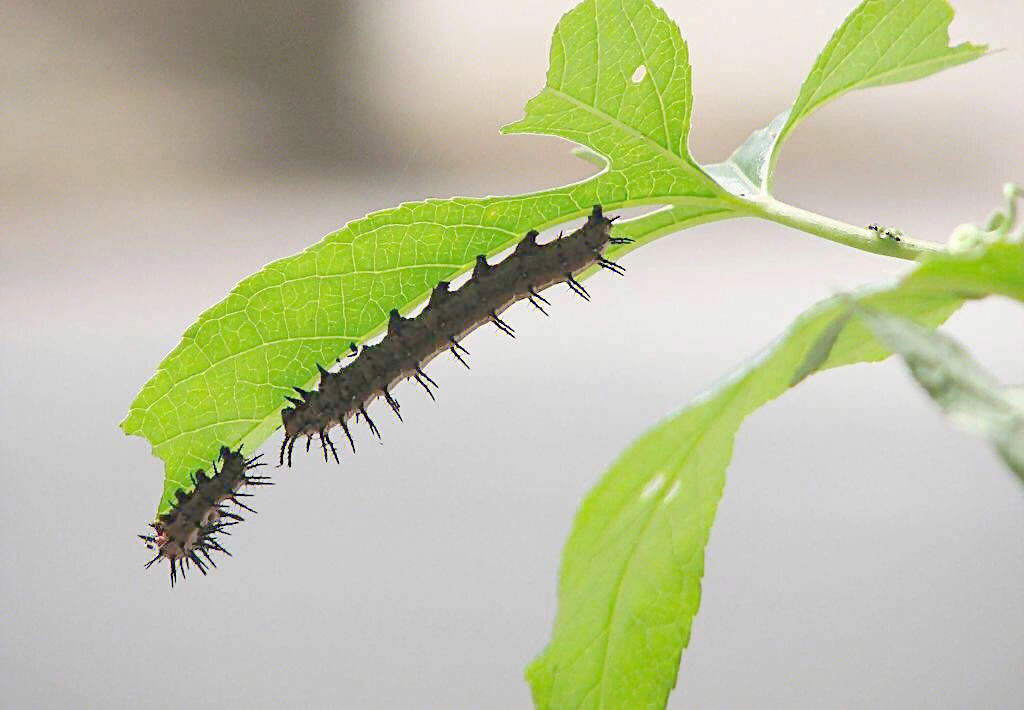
[[639, 74]]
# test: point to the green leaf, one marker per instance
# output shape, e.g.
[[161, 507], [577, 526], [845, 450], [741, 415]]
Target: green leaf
[[592, 96], [971, 397], [225, 383], [631, 569], [881, 42]]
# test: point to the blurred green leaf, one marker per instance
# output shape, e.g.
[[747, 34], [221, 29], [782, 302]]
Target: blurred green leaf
[[970, 396], [631, 569], [225, 383]]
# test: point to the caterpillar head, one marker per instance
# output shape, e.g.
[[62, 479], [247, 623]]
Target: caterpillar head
[[187, 533]]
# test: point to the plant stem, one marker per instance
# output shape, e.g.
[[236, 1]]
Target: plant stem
[[834, 230]]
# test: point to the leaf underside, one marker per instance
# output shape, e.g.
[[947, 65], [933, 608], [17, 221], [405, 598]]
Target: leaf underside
[[972, 398]]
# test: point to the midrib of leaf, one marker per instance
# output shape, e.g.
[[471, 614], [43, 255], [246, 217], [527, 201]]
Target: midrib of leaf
[[243, 352], [654, 509], [658, 148], [187, 432], [309, 338]]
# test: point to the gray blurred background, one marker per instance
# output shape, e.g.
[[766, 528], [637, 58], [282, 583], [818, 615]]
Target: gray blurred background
[[864, 555]]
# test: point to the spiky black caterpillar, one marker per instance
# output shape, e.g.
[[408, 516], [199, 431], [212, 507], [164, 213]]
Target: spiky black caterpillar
[[187, 533], [412, 342]]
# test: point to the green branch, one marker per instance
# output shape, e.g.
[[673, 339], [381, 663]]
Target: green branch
[[852, 236]]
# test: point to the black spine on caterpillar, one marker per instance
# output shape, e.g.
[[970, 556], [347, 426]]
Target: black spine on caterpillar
[[449, 315], [188, 532]]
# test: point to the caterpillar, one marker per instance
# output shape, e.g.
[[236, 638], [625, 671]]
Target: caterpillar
[[449, 315], [188, 533]]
